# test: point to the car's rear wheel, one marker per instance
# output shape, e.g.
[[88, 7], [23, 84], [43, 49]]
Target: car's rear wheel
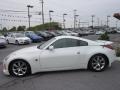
[[98, 63], [19, 68]]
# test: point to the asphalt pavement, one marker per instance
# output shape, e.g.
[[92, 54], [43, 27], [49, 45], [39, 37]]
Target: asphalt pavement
[[62, 80]]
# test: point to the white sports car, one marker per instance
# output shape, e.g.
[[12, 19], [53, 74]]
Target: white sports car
[[60, 53], [18, 38]]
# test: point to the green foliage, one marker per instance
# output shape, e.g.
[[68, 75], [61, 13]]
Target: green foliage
[[4, 29], [13, 29], [118, 51], [104, 37], [47, 26], [21, 28]]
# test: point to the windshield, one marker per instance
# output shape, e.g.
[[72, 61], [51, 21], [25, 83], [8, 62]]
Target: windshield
[[19, 35], [43, 45]]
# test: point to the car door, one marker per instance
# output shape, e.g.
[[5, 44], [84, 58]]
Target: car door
[[65, 55]]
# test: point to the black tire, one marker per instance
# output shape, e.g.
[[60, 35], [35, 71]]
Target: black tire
[[19, 68], [98, 63], [7, 41], [16, 42]]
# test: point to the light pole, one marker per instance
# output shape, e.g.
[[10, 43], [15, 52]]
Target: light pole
[[79, 24], [43, 22], [76, 21], [93, 20], [50, 11], [1, 26], [98, 22], [108, 21], [75, 18], [64, 20], [29, 16]]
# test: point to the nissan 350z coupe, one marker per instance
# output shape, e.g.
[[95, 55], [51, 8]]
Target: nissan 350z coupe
[[60, 53]]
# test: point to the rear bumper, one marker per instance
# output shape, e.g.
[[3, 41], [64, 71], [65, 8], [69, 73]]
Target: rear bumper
[[112, 57], [5, 69]]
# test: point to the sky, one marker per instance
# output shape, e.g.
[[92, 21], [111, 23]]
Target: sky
[[85, 8]]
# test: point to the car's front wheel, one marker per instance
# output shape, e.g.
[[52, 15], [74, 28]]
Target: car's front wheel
[[19, 68], [98, 63], [7, 41], [17, 42]]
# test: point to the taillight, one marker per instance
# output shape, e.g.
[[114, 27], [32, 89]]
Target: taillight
[[108, 46]]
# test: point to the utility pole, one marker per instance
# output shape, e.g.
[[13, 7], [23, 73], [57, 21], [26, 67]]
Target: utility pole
[[1, 26], [64, 20], [79, 24], [98, 22], [108, 21], [50, 17], [101, 23], [76, 21], [75, 18], [42, 2], [29, 16], [93, 20]]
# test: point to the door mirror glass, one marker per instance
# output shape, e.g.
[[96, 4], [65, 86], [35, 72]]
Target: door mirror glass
[[51, 48]]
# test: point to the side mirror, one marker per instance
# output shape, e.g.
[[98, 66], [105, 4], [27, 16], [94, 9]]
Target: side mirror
[[51, 48]]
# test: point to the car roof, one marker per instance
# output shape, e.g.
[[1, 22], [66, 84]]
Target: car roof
[[74, 37]]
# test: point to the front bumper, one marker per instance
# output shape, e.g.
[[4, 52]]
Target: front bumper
[[2, 44], [5, 69], [25, 42]]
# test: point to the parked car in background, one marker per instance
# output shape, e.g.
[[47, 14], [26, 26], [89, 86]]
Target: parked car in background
[[58, 32], [2, 36], [51, 35], [3, 42], [118, 31], [99, 32], [60, 53], [18, 38], [34, 37], [43, 34], [72, 33]]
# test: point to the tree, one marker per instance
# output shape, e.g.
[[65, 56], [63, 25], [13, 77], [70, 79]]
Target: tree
[[104, 37], [21, 28], [47, 26], [13, 29], [4, 29]]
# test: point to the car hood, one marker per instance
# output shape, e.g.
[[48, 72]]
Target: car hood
[[2, 40], [27, 51], [23, 38]]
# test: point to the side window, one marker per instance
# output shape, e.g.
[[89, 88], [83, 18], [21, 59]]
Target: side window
[[72, 42], [83, 43], [68, 42], [75, 42], [59, 43]]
